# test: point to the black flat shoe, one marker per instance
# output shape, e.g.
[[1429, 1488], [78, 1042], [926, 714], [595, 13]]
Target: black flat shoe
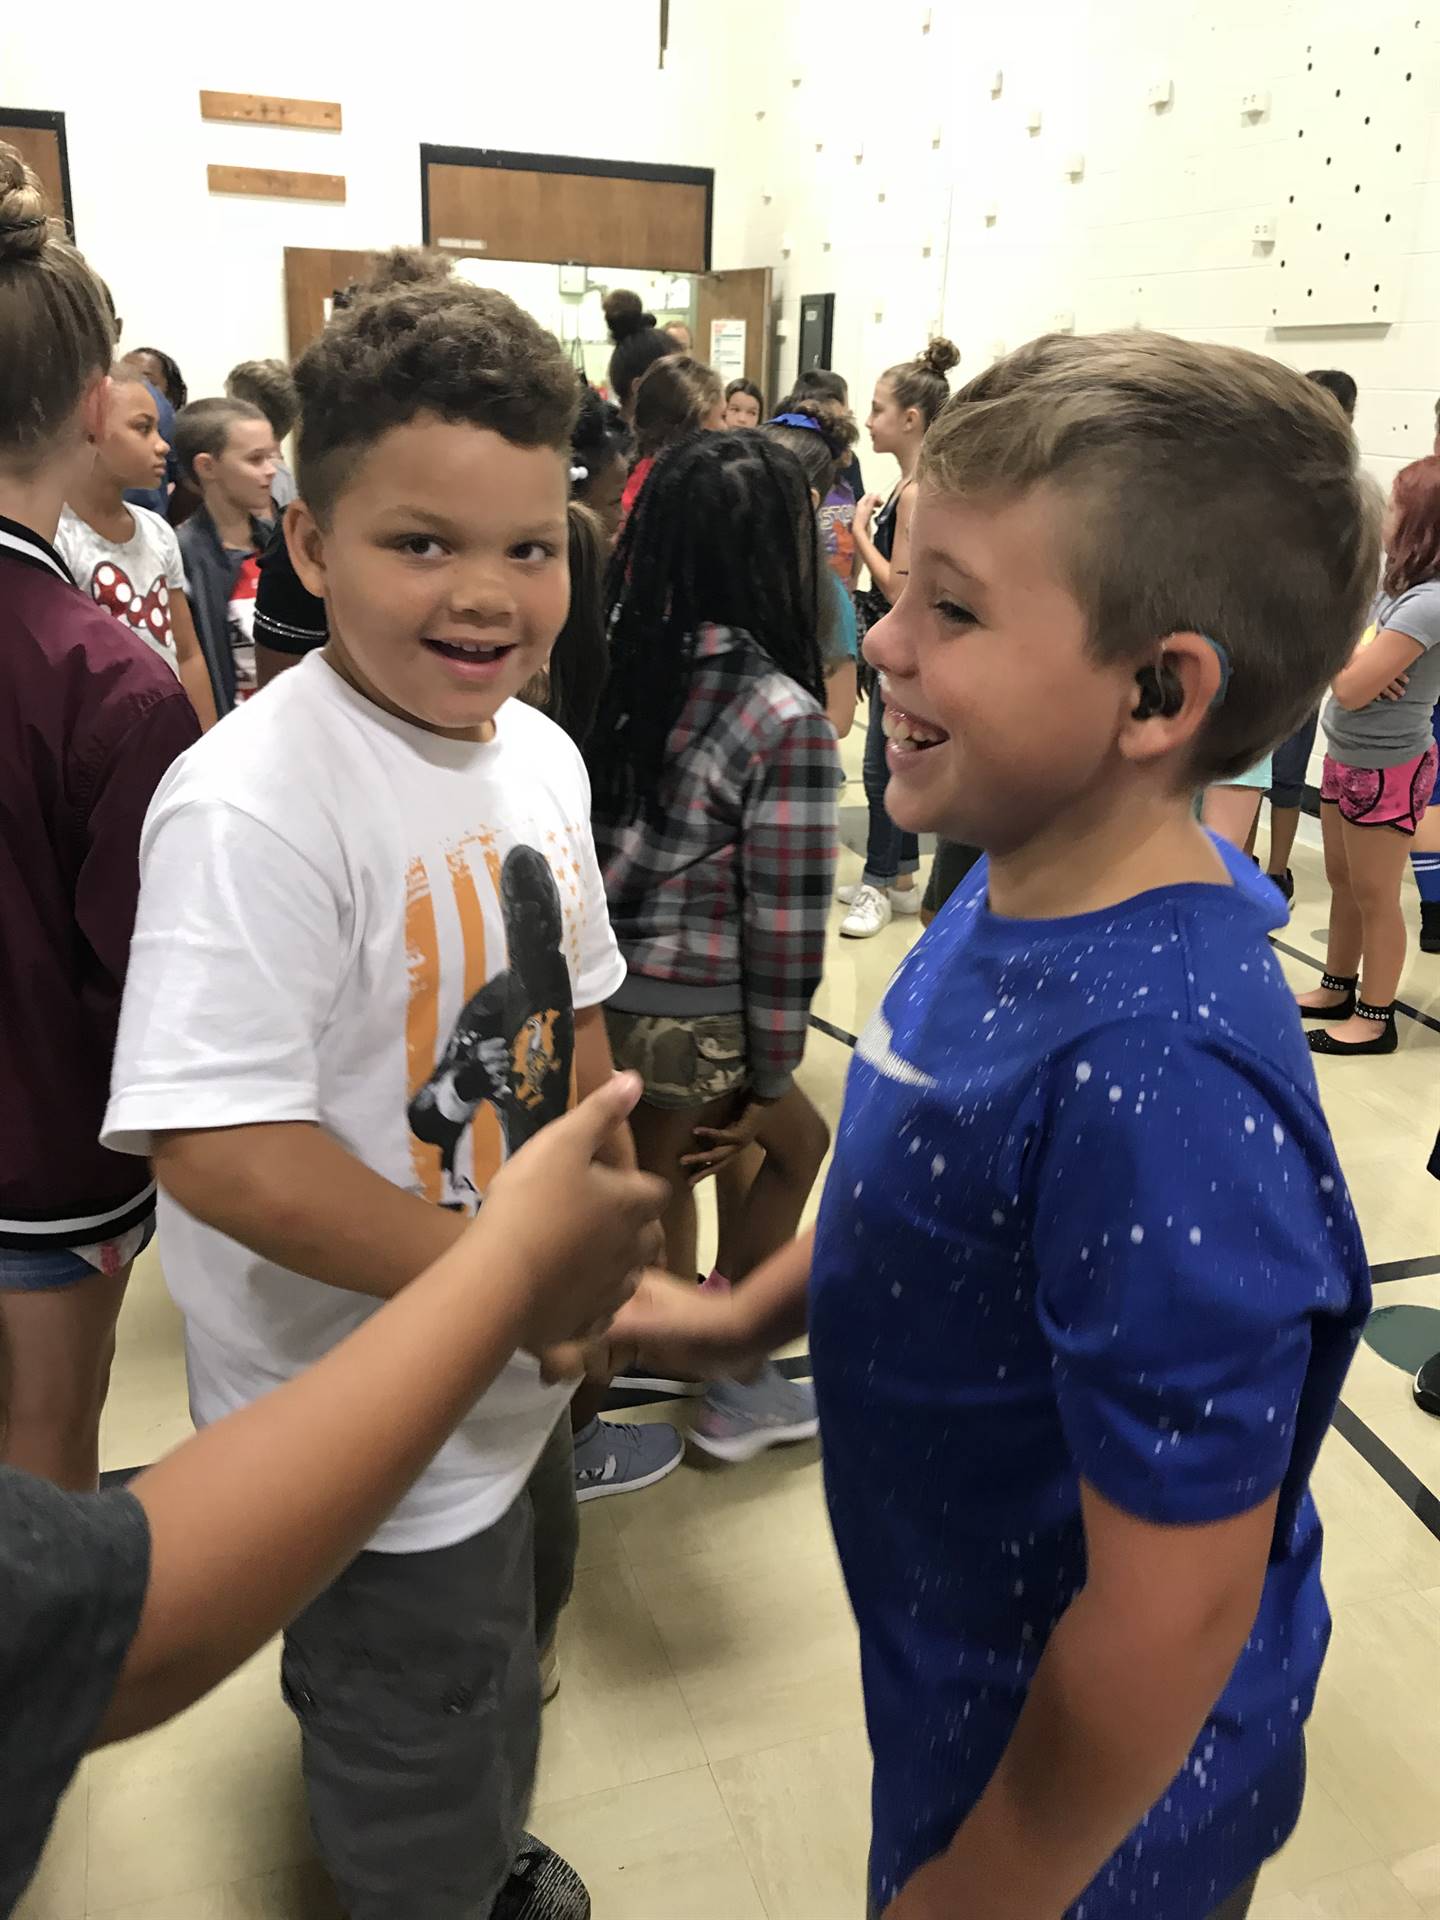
[[1427, 1386], [1386, 1038], [1430, 926], [1286, 883], [1342, 1010]]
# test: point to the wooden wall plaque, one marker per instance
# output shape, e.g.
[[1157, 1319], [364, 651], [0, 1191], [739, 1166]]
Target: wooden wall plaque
[[270, 110], [269, 183]]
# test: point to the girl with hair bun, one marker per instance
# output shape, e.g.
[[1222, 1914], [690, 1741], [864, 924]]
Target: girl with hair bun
[[907, 399], [90, 719], [639, 343]]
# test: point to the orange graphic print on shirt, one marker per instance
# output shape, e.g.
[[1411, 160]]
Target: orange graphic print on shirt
[[507, 1068]]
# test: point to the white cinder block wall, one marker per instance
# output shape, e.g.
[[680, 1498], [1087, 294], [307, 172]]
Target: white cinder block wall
[[1112, 211]]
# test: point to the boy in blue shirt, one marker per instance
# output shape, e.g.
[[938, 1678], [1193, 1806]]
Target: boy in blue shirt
[[1086, 1279]]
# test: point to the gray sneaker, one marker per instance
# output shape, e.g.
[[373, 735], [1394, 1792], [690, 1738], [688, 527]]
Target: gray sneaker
[[737, 1422], [610, 1458]]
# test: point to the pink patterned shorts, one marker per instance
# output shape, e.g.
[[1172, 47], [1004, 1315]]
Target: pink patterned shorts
[[1382, 796]]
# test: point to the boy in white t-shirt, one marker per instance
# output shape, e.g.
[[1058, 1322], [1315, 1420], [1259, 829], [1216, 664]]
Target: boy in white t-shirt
[[370, 959], [126, 557]]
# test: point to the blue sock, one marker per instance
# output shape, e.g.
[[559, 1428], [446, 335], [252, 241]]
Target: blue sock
[[1426, 868]]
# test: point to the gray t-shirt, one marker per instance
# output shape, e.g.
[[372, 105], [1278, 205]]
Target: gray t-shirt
[[1387, 733], [73, 1573]]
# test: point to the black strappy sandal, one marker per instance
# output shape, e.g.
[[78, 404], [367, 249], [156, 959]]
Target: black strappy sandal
[[1335, 983], [1385, 1041]]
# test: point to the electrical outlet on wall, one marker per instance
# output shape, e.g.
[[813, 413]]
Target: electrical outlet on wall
[[1034, 120], [1062, 322], [1253, 105], [1075, 165], [997, 83], [1160, 93], [992, 212], [1262, 232]]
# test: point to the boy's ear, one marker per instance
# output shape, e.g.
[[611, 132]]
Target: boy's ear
[[203, 468], [306, 542], [1170, 697]]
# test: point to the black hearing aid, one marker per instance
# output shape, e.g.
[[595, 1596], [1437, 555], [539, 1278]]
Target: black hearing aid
[[1161, 694]]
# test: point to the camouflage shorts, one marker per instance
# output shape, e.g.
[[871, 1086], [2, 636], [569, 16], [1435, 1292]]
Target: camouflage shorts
[[684, 1063]]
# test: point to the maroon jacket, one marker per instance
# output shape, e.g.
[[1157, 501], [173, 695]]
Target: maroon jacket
[[90, 719]]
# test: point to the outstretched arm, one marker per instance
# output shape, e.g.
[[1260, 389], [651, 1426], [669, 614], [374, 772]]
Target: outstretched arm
[[250, 1518]]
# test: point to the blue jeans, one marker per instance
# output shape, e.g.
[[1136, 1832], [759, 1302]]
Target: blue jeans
[[889, 852], [1289, 763]]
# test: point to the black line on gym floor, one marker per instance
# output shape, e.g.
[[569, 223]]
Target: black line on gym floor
[[1401, 1006], [846, 1038], [1418, 1269], [1391, 1468]]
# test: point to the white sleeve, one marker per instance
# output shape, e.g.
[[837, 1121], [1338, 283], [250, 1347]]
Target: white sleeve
[[235, 965], [174, 566], [601, 968]]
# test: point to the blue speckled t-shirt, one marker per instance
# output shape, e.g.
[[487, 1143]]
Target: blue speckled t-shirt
[[1085, 1219]]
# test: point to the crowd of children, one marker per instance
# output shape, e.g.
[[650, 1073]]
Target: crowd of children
[[333, 909]]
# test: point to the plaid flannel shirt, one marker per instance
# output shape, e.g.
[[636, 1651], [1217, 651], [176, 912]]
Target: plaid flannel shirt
[[733, 889]]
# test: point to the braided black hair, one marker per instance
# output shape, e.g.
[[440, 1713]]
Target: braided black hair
[[723, 534], [176, 391], [601, 435]]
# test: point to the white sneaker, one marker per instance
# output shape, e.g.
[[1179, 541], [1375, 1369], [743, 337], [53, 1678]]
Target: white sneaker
[[869, 913], [903, 901]]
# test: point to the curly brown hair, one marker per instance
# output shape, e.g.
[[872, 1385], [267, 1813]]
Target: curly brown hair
[[464, 353]]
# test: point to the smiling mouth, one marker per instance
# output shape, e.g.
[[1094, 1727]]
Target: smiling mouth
[[912, 735], [469, 650]]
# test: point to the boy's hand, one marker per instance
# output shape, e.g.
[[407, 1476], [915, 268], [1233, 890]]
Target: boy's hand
[[581, 1230], [672, 1326], [866, 512]]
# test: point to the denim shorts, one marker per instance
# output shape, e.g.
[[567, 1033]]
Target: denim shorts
[[50, 1269]]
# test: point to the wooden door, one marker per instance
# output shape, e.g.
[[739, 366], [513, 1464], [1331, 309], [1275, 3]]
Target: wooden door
[[39, 139], [312, 276], [604, 213], [741, 294]]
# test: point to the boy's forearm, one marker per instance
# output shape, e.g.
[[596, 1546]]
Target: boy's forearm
[[250, 1518], [294, 1195], [195, 678], [773, 1304], [1108, 1721], [594, 1065]]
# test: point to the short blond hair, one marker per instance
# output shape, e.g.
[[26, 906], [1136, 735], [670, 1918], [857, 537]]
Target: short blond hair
[[1209, 489]]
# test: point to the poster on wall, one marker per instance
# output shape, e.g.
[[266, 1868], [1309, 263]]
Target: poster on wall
[[727, 348]]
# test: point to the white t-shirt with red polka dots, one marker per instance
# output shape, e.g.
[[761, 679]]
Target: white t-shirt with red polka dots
[[133, 579]]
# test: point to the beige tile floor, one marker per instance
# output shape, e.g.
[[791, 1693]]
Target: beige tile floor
[[706, 1758]]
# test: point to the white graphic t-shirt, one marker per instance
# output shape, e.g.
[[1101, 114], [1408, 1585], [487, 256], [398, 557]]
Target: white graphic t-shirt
[[348, 920], [133, 579]]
